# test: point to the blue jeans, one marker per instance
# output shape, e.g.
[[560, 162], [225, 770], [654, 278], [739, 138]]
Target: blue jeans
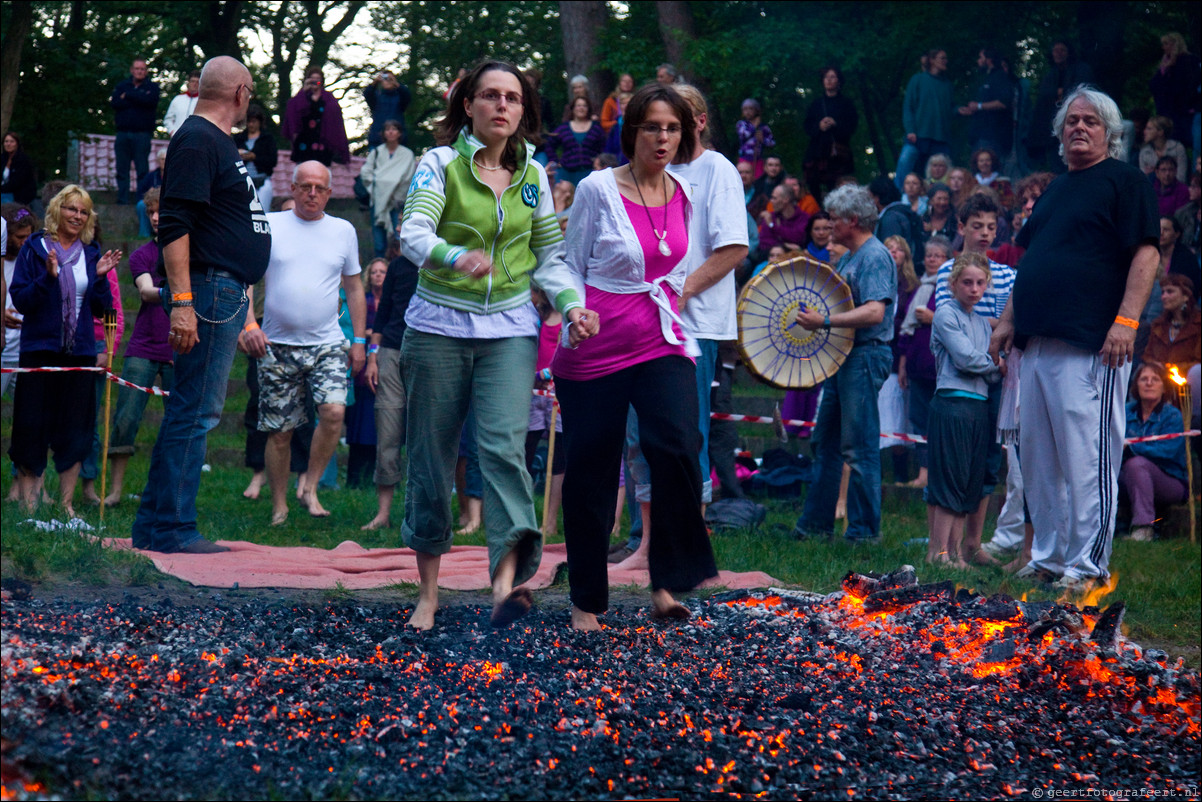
[[144, 229], [707, 365], [848, 430], [379, 237], [914, 155], [131, 404], [166, 518], [130, 146]]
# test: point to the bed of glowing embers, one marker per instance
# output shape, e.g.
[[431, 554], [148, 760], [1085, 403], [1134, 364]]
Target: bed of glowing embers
[[886, 689]]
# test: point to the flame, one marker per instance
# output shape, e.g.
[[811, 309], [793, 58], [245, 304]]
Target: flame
[[1175, 375], [1094, 596]]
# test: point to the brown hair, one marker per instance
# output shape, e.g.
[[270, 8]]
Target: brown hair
[[1184, 283], [1161, 371], [151, 198], [456, 119], [636, 114]]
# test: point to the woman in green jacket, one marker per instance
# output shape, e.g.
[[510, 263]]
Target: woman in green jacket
[[480, 221]]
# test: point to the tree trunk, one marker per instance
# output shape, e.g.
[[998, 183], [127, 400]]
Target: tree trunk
[[581, 22], [678, 31], [882, 149], [10, 59], [225, 20], [676, 28], [1103, 27]]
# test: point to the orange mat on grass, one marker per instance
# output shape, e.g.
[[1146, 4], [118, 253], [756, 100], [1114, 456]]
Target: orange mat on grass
[[250, 565]]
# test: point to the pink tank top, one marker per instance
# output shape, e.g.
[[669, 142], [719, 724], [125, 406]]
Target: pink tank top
[[630, 323]]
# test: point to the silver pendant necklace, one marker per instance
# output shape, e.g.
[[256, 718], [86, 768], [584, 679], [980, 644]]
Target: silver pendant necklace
[[664, 248]]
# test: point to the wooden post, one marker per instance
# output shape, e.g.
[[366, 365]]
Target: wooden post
[[110, 339], [550, 460], [1185, 403]]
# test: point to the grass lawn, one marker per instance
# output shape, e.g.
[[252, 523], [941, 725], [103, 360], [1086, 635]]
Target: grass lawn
[[1160, 581]]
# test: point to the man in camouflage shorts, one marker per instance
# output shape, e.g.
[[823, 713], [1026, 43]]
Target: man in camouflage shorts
[[302, 345]]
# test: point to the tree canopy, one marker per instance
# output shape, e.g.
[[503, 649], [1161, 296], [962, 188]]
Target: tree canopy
[[71, 54]]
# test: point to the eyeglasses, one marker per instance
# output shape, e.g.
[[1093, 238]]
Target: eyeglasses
[[490, 96], [307, 188], [651, 129], [76, 211], [250, 92]]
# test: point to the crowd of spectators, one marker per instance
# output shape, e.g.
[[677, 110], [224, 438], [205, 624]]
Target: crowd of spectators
[[930, 252]]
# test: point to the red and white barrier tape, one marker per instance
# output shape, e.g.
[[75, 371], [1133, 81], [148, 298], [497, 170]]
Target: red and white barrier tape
[[727, 416], [108, 375]]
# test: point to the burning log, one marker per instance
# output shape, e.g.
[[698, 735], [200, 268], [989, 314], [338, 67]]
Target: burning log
[[898, 598], [1106, 630]]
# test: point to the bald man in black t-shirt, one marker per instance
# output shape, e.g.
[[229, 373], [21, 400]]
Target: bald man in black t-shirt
[[214, 242]]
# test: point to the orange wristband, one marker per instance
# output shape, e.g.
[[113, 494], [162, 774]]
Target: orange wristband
[[1126, 321], [251, 326], [182, 296]]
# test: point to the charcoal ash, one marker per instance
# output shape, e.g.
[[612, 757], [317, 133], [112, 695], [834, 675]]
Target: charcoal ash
[[947, 695]]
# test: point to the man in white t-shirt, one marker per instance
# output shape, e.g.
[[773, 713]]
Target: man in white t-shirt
[[301, 347], [717, 245]]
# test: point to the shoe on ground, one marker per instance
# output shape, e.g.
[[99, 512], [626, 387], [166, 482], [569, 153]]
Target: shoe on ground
[[1034, 573], [614, 548], [620, 555], [1076, 585], [1143, 534], [202, 546]]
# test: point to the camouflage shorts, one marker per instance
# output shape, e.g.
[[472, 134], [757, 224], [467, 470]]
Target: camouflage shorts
[[288, 372]]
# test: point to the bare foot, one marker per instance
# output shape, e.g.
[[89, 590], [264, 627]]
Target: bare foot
[[469, 527], [509, 609], [90, 497], [1017, 563], [279, 517], [584, 622], [255, 487], [982, 557], [635, 562], [314, 506], [69, 511], [664, 607], [375, 523], [959, 563], [422, 617], [14, 493], [300, 486], [112, 499]]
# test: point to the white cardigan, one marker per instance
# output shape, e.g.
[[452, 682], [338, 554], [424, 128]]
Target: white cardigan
[[603, 249], [387, 180]]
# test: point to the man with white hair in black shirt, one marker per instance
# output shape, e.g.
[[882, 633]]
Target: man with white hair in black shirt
[[1087, 273]]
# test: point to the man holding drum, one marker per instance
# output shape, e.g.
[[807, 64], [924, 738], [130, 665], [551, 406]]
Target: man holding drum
[[848, 425]]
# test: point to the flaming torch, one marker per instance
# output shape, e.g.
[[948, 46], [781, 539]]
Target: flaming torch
[[110, 339], [1185, 402]]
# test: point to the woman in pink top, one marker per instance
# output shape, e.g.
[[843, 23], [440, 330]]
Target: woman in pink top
[[626, 240]]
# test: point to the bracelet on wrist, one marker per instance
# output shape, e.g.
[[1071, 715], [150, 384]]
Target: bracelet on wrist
[[1126, 321], [251, 326], [181, 296], [178, 304], [358, 341], [826, 322]]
